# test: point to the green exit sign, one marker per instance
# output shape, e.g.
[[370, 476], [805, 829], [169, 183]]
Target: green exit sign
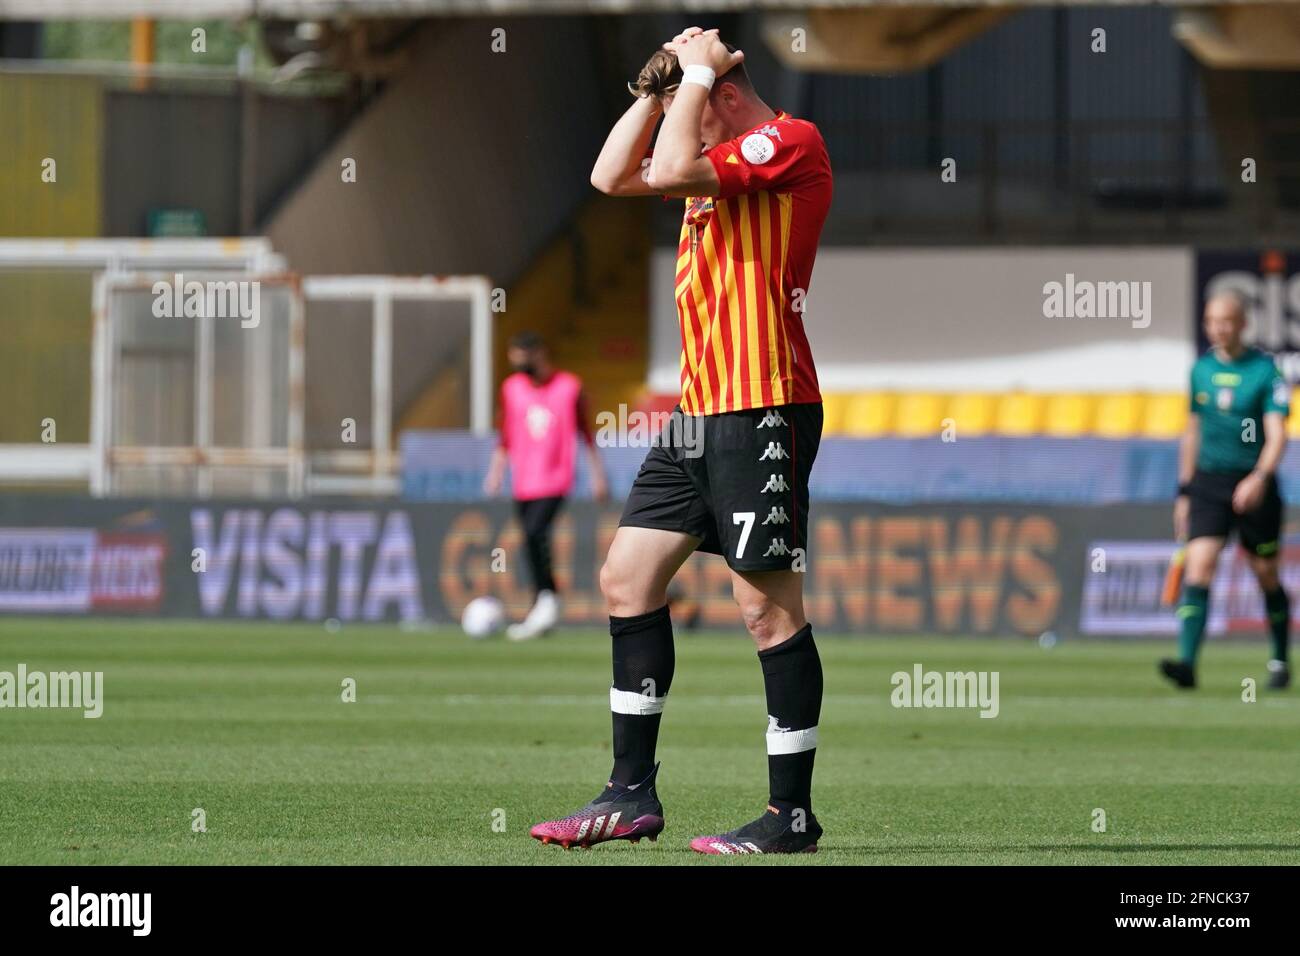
[[177, 224]]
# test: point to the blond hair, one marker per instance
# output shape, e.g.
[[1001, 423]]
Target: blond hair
[[662, 75]]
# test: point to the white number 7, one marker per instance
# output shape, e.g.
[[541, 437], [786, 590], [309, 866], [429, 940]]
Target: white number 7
[[747, 519]]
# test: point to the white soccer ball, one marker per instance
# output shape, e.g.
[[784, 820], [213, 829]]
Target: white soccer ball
[[483, 617]]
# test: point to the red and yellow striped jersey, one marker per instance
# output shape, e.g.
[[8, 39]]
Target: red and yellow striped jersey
[[744, 263]]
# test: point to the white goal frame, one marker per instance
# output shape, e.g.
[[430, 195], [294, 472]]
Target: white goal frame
[[74, 462], [373, 471], [376, 471], [203, 455]]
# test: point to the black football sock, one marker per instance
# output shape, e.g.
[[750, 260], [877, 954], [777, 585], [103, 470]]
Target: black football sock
[[1278, 606], [792, 677], [643, 671]]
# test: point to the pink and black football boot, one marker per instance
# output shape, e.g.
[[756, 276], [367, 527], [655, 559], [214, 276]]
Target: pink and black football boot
[[776, 831], [620, 813]]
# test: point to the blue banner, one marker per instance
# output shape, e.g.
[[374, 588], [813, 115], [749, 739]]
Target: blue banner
[[450, 466]]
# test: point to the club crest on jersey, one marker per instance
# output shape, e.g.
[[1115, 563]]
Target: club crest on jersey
[[1223, 399], [698, 210]]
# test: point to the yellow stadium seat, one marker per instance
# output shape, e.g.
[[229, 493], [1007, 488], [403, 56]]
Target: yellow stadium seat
[[919, 414], [1020, 413], [1165, 415], [1119, 415], [870, 414], [973, 413], [1068, 415], [834, 407], [1293, 420]]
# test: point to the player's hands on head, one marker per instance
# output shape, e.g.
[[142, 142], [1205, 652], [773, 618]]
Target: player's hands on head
[[672, 45], [707, 49]]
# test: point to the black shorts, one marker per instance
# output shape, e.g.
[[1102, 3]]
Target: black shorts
[[736, 480], [1210, 513]]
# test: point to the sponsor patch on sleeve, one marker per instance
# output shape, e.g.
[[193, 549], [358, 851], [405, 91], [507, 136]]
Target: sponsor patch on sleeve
[[757, 148]]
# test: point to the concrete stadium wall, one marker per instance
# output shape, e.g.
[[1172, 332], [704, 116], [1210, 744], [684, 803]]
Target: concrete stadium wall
[[457, 162], [195, 153]]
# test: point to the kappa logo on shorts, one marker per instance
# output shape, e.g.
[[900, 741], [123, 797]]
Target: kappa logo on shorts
[[776, 548], [776, 483], [771, 419], [774, 452], [778, 516]]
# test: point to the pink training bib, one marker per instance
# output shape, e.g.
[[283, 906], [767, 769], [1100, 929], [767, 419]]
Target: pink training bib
[[539, 429]]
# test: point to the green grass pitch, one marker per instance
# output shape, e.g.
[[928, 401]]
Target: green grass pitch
[[454, 748]]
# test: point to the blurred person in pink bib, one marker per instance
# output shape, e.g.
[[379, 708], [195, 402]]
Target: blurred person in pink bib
[[542, 414]]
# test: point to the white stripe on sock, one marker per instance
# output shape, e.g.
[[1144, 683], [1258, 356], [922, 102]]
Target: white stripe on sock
[[630, 702], [791, 741]]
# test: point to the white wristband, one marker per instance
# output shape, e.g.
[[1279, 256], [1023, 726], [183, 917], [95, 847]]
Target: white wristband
[[695, 73]]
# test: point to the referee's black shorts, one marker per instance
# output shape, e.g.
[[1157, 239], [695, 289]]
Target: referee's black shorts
[[1210, 513], [736, 480]]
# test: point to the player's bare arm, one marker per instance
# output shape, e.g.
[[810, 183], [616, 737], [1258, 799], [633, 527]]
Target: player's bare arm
[[678, 167], [599, 482], [496, 472], [1188, 448], [619, 169], [1275, 441], [1250, 490]]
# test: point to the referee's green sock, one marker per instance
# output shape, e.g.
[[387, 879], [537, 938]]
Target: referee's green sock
[[1192, 613], [1279, 622]]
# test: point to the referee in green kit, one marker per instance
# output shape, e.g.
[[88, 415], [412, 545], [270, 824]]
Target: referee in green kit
[[1227, 475]]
